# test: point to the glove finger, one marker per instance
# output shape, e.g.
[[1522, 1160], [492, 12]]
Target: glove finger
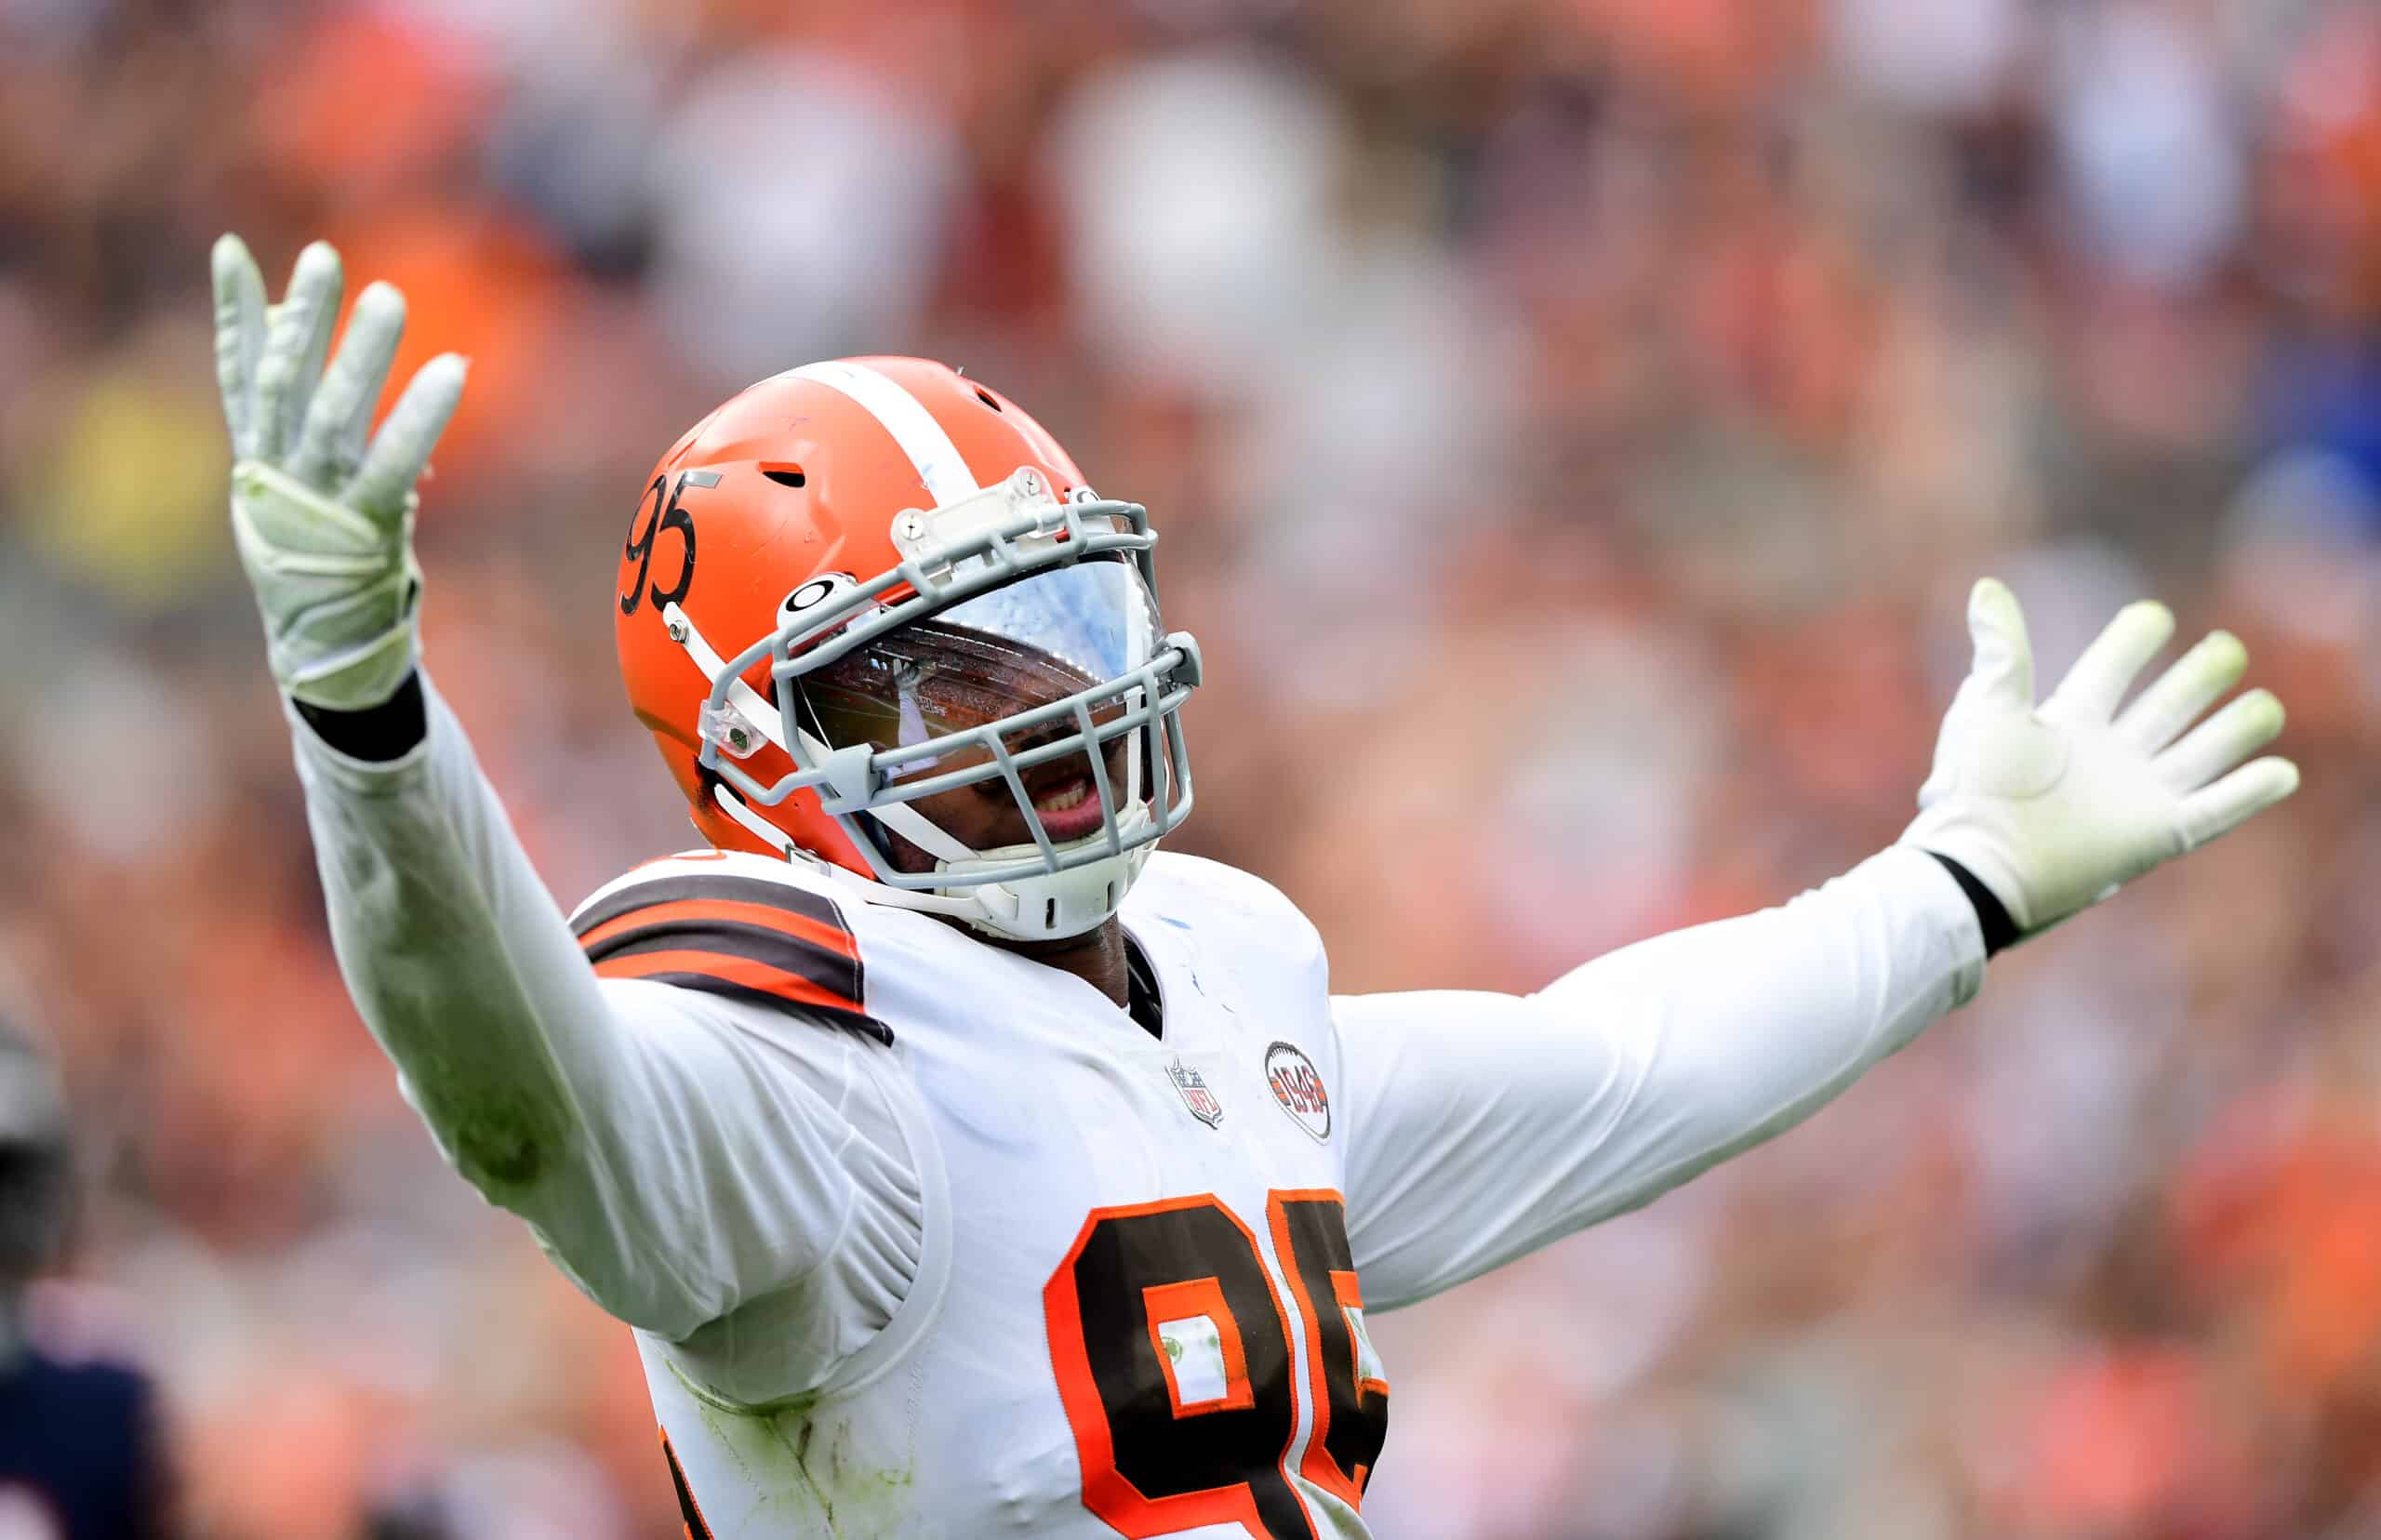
[[402, 447], [2099, 679], [343, 408], [239, 339], [296, 336], [2220, 808], [2220, 742], [318, 342], [2005, 657], [2198, 680]]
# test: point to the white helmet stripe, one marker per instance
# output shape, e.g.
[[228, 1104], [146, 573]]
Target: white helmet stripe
[[939, 466]]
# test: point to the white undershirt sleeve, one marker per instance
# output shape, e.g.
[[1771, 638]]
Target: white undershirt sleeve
[[1483, 1126], [678, 1154]]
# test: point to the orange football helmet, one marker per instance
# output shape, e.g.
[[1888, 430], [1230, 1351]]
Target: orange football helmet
[[866, 589]]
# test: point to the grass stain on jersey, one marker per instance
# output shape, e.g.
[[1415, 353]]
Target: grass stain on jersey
[[505, 1137], [851, 1500], [857, 1500], [503, 1123]]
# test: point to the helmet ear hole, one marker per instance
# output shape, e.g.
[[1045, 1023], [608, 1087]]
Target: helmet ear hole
[[986, 397], [785, 475]]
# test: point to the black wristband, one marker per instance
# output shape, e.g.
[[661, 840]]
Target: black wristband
[[377, 734], [2000, 931]]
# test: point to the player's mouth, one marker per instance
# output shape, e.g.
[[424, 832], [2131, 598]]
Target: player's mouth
[[1067, 806]]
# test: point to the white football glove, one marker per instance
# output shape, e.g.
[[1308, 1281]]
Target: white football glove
[[2053, 807], [325, 526]]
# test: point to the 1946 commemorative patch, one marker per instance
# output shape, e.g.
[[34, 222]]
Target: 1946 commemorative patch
[[1298, 1089]]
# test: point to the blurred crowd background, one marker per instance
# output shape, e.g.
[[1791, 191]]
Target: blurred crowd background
[[1574, 425]]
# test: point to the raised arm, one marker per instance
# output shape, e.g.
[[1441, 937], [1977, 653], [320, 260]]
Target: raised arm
[[1483, 1126], [615, 1116]]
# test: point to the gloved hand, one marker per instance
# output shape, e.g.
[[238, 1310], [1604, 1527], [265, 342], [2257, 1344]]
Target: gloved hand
[[324, 525], [2053, 807]]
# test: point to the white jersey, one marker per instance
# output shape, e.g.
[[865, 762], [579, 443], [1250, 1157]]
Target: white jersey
[[1133, 1304], [922, 1239]]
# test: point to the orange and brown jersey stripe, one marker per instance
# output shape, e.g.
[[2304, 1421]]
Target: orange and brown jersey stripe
[[740, 936], [687, 1510]]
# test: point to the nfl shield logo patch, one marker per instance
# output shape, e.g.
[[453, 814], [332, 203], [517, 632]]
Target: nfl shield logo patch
[[1196, 1095]]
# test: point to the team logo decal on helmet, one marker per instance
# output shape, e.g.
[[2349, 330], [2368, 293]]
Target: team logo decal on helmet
[[922, 654]]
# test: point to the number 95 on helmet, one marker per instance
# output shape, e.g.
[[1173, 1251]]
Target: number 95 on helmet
[[877, 623]]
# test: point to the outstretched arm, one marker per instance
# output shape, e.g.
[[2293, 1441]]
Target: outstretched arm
[[1483, 1126], [605, 1112]]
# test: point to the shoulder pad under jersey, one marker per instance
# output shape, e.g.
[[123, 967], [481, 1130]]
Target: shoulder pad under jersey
[[1209, 896], [743, 926]]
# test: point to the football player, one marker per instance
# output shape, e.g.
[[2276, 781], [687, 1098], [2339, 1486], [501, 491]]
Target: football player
[[82, 1440], [964, 1166]]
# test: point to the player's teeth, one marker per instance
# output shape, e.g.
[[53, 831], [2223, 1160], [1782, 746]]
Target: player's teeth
[[1058, 802]]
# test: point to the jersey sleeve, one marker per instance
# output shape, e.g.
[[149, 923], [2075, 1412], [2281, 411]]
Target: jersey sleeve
[[764, 943], [684, 1099], [1483, 1126]]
